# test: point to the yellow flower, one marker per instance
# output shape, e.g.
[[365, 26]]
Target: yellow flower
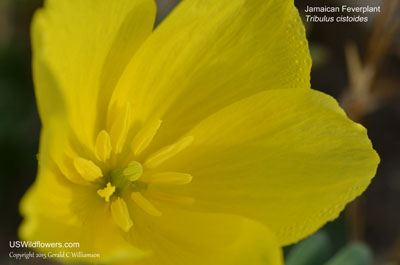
[[197, 143]]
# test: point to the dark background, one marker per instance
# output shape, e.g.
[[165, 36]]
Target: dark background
[[373, 219]]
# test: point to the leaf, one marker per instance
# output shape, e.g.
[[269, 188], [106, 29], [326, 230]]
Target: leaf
[[312, 251], [352, 254]]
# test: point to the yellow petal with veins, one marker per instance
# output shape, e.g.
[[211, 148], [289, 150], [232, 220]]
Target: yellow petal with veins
[[290, 159], [85, 59], [120, 214], [87, 169], [182, 237], [170, 198], [198, 55]]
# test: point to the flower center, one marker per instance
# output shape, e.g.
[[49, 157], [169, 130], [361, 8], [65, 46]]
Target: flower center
[[135, 182], [121, 179]]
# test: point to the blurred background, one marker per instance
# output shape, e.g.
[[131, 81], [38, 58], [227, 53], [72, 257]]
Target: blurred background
[[357, 63]]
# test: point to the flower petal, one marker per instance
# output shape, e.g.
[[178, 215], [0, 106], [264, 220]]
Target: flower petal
[[82, 47], [181, 238], [288, 158], [208, 54]]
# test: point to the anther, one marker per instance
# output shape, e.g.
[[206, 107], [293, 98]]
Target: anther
[[168, 178], [120, 129], [120, 214], [103, 146], [143, 203], [167, 152], [87, 169], [144, 137]]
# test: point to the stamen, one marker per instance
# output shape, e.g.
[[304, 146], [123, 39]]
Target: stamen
[[168, 178], [106, 192], [120, 128], [103, 146], [143, 203], [144, 136], [167, 152], [134, 171], [120, 214], [87, 169], [68, 170]]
